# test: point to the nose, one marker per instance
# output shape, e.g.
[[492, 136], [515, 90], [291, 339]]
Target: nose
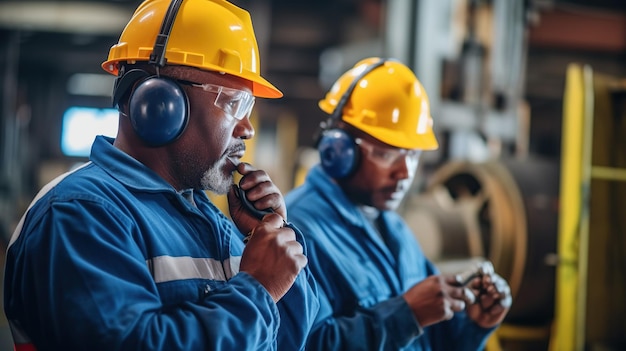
[[244, 129], [405, 167]]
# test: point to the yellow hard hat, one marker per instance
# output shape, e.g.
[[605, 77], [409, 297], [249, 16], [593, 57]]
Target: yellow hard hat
[[388, 103], [213, 35]]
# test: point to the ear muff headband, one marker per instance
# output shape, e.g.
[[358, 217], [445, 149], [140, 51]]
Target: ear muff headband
[[158, 52], [158, 106], [339, 154]]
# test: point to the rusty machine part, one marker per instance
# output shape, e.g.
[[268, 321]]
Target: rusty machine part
[[502, 211]]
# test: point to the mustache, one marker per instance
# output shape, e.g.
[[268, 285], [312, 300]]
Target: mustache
[[400, 187], [236, 148]]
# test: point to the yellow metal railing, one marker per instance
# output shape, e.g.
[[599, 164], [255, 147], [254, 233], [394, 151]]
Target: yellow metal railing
[[585, 157]]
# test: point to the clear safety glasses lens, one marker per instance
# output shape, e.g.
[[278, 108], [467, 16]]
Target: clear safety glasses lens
[[388, 156], [236, 103]]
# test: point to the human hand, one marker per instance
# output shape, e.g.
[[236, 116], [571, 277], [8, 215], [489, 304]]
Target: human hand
[[436, 298], [493, 300], [260, 192], [273, 256]]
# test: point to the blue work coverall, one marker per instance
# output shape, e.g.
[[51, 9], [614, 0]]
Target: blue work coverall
[[110, 257], [362, 276]]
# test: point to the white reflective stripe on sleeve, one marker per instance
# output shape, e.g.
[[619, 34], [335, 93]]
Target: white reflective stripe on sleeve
[[168, 268], [231, 266]]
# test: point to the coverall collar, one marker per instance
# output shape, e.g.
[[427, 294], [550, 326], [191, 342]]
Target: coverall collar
[[336, 196], [125, 169]]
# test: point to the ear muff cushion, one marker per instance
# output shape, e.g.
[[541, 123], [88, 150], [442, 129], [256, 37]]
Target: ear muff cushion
[[339, 153], [158, 110], [123, 84]]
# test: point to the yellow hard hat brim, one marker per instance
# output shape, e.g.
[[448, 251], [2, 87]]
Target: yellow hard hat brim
[[421, 141]]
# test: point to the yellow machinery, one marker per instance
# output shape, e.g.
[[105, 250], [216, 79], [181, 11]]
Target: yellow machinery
[[504, 211], [557, 233], [591, 284]]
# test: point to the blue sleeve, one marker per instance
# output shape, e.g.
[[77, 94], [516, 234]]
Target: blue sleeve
[[389, 325], [87, 287], [299, 307], [458, 334]]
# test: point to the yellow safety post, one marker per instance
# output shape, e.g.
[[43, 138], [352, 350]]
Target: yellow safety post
[[572, 240]]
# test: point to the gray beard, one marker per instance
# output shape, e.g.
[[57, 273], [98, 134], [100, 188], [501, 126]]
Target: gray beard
[[213, 180]]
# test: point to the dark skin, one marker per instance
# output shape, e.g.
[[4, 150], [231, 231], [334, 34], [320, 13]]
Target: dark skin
[[487, 299], [493, 300], [204, 157]]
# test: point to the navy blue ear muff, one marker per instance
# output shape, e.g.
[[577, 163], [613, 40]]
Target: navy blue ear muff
[[158, 109], [158, 106], [339, 153]]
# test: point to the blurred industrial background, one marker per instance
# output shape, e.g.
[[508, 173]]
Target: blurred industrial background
[[529, 103]]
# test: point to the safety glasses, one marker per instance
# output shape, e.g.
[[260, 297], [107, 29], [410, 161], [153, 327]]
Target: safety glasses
[[388, 156], [236, 103]]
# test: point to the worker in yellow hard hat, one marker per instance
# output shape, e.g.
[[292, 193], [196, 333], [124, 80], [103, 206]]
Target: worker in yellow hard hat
[[128, 252], [377, 289]]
